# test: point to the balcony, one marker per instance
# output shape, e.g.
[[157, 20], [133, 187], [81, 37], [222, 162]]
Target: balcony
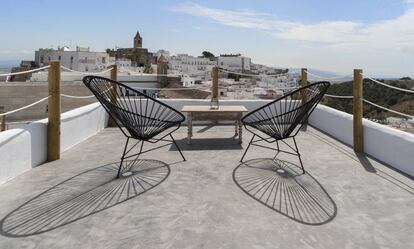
[[211, 200]]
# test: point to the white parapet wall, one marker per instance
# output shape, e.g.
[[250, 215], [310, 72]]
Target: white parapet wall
[[24, 148], [333, 122], [391, 146], [82, 123]]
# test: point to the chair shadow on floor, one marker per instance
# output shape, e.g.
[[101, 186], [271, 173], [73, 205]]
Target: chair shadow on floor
[[281, 186], [82, 195]]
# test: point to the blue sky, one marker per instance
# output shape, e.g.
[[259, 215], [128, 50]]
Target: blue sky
[[332, 35]]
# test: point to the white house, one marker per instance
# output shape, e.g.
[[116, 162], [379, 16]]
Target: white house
[[189, 64], [198, 68], [235, 62], [81, 59]]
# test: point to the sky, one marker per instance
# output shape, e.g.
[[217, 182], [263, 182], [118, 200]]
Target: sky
[[332, 35]]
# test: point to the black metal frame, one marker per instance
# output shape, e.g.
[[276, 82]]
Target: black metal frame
[[283, 118], [142, 122]]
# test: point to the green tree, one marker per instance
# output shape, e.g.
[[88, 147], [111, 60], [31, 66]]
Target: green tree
[[209, 55], [148, 68]]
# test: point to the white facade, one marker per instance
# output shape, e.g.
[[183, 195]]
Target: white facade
[[190, 64], [234, 62], [199, 68], [82, 59], [123, 63]]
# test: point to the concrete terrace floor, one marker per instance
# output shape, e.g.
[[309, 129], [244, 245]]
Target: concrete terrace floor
[[208, 201]]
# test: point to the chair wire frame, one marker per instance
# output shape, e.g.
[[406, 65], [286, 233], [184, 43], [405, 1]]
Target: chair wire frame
[[137, 115], [283, 118]]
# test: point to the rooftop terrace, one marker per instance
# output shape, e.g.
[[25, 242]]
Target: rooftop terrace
[[209, 201]]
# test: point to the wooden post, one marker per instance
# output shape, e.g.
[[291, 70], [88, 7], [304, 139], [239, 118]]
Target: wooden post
[[3, 122], [214, 89], [53, 126], [358, 111], [304, 82], [114, 72], [2, 119], [214, 103], [113, 76]]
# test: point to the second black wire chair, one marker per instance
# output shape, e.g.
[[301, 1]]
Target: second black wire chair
[[283, 118], [139, 116]]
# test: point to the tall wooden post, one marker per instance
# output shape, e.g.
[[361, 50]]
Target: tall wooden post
[[304, 82], [215, 76], [53, 126], [3, 122], [113, 76], [358, 111], [114, 72], [2, 119], [214, 104]]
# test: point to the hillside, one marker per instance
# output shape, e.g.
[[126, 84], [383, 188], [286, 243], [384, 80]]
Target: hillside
[[381, 95]]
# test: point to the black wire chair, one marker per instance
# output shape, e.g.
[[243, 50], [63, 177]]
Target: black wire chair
[[139, 116], [283, 118]]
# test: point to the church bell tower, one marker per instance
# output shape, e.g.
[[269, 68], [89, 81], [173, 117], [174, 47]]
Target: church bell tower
[[137, 41]]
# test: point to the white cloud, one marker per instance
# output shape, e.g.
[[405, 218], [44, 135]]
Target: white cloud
[[238, 18], [387, 33], [369, 43]]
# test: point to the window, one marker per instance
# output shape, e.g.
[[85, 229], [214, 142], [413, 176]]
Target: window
[[71, 60], [48, 58], [60, 58], [42, 59], [103, 60], [86, 69]]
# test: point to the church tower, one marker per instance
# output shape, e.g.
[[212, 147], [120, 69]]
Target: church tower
[[137, 41]]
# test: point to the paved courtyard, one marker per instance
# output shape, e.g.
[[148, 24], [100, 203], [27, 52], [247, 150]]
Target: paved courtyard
[[209, 201]]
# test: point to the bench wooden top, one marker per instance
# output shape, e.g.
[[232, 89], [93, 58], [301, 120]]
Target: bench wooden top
[[206, 108]]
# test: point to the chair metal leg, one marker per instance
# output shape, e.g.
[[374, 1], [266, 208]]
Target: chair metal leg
[[278, 150], [122, 158], [248, 146], [300, 159], [178, 148], [140, 150]]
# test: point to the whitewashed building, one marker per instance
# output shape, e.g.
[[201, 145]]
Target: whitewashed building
[[81, 59], [189, 64], [196, 68], [123, 63], [235, 62]]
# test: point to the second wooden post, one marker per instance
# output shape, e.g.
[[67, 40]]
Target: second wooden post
[[114, 94], [358, 111], [53, 126], [304, 82], [214, 88]]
